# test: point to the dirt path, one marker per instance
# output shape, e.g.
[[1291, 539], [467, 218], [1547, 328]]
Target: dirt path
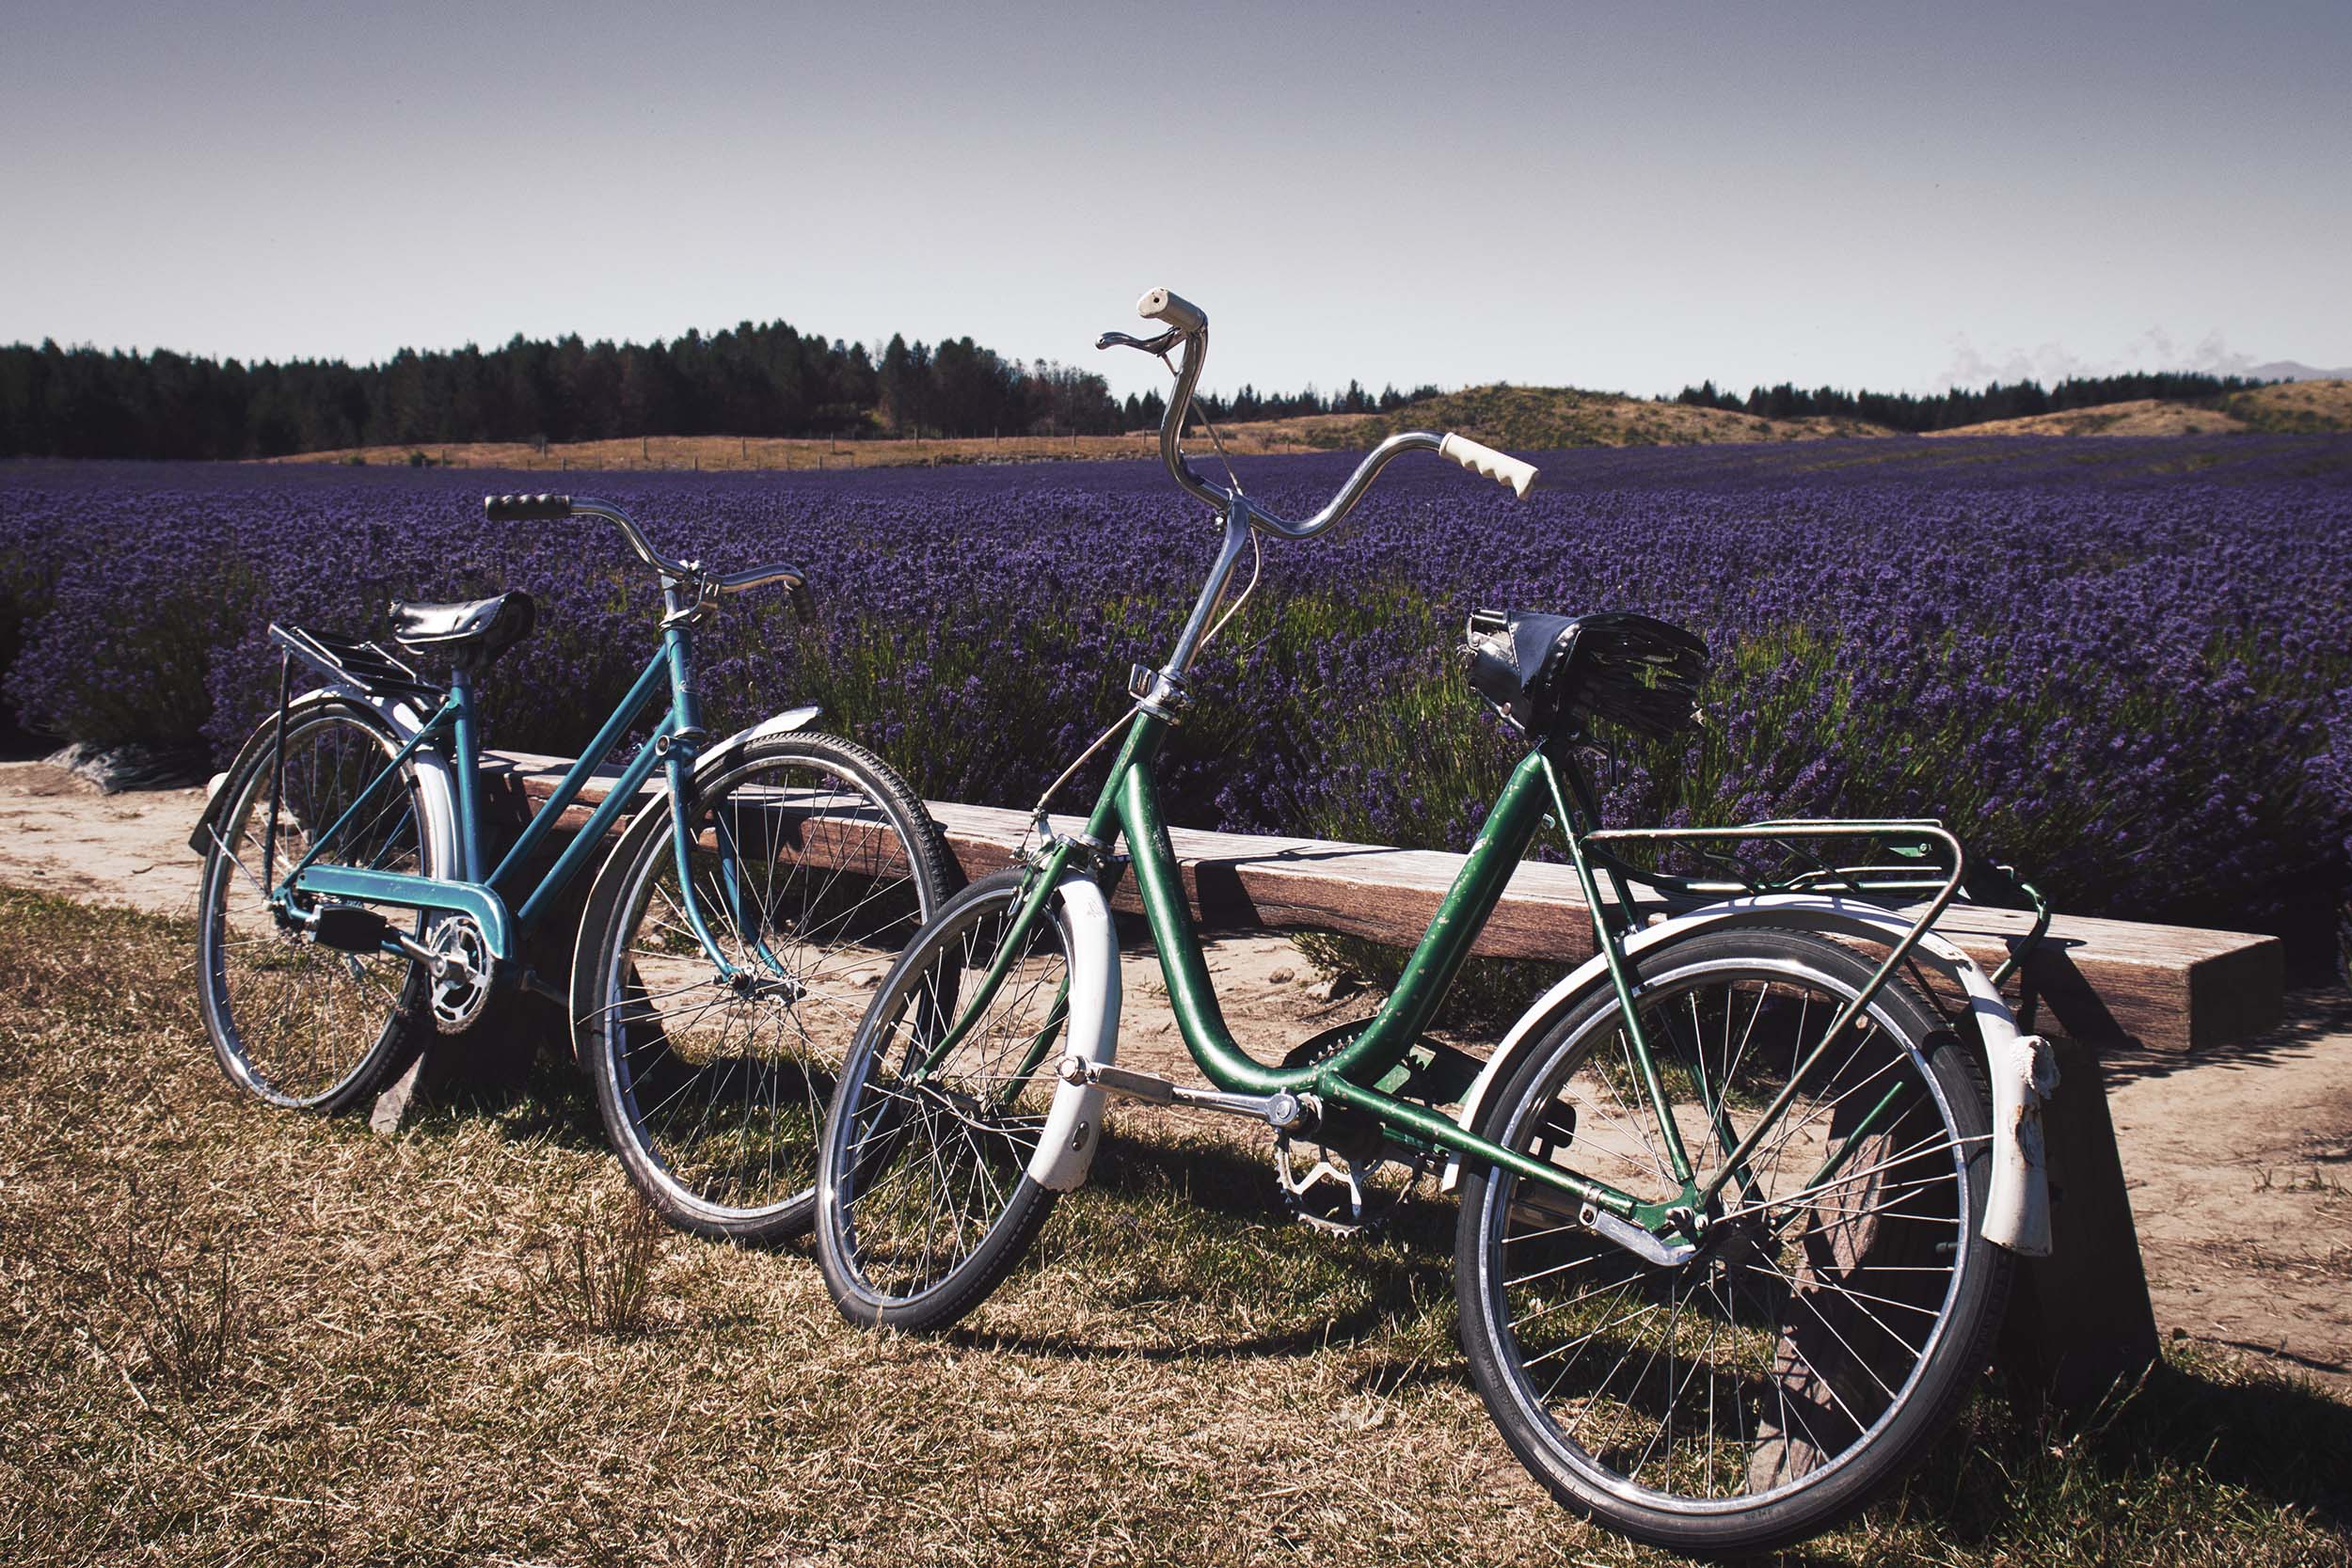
[[2240, 1160]]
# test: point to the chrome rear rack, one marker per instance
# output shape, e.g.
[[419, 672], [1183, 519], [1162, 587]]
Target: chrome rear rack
[[369, 665]]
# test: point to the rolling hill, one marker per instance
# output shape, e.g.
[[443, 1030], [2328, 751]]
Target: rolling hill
[[1515, 419], [2290, 408]]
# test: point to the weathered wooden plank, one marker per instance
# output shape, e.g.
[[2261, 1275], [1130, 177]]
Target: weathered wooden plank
[[2100, 981]]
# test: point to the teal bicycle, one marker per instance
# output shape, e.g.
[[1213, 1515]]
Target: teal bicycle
[[1735, 1219], [350, 909]]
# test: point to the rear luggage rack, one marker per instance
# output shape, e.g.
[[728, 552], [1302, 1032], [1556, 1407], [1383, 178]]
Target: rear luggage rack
[[365, 665]]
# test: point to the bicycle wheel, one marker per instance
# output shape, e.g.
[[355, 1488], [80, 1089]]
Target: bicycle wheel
[[924, 1203], [812, 866], [1840, 1299], [293, 1022]]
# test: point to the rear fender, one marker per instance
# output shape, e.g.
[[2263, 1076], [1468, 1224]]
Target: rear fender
[[436, 788], [2020, 1067]]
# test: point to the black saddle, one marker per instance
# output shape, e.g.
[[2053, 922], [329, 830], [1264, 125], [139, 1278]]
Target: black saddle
[[472, 633], [1548, 673]]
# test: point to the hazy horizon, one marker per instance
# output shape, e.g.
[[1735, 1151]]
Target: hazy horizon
[[1540, 195]]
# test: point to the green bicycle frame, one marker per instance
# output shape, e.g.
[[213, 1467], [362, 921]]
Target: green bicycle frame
[[1129, 807], [1129, 802], [1545, 785]]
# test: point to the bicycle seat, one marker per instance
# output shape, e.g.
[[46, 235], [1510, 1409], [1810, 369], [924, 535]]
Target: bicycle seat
[[1548, 672], [473, 632]]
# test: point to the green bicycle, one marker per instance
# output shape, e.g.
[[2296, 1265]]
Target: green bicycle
[[1735, 1222]]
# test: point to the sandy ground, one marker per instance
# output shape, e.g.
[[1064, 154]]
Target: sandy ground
[[2239, 1160]]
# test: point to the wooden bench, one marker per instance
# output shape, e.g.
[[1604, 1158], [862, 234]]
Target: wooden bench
[[2079, 1319], [2103, 982]]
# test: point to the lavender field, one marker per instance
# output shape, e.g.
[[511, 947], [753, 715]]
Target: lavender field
[[2124, 665]]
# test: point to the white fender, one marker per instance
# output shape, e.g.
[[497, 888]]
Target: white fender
[[437, 787], [2020, 1067], [436, 790], [1073, 1128], [781, 723]]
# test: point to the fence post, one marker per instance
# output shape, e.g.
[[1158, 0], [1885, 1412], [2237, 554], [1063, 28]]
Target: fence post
[[2080, 1320]]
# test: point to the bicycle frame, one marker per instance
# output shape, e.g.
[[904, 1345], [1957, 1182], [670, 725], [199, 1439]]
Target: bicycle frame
[[1129, 805], [665, 685], [1533, 797]]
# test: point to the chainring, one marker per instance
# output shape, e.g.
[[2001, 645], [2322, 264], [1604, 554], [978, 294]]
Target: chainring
[[461, 972]]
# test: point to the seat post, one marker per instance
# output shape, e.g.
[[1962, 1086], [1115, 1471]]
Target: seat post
[[468, 747]]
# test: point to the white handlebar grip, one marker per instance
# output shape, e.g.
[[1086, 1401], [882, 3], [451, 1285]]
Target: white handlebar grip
[[1499, 466], [1175, 309]]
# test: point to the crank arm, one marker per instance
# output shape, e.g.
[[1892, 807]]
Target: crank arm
[[1537, 1206], [1285, 1111]]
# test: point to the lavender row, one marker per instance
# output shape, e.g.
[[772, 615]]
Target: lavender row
[[2122, 664]]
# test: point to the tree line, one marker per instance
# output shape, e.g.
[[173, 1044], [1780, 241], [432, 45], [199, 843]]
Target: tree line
[[2015, 399], [754, 380]]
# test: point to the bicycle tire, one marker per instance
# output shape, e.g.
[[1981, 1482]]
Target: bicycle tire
[[293, 1024], [712, 1096], [1834, 1355], [977, 1110]]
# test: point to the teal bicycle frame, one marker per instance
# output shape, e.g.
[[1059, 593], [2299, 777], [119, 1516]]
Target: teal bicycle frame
[[665, 687], [489, 899]]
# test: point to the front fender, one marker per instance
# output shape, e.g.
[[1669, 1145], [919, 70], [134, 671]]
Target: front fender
[[1073, 1128], [2020, 1067], [780, 724]]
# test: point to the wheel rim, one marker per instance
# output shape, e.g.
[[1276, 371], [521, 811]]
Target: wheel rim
[[723, 1087], [1803, 1329], [933, 1148], [298, 1022]]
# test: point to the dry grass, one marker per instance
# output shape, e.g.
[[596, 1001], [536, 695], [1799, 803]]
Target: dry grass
[[231, 1336], [1522, 419], [2293, 408], [1518, 419]]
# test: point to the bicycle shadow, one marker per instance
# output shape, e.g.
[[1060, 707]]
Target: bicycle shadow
[[2014, 1469], [1149, 1194], [2013, 1465]]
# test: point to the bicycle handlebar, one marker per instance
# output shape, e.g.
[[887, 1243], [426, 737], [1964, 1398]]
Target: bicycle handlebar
[[1189, 326], [1158, 305], [1501, 466], [546, 508], [526, 509]]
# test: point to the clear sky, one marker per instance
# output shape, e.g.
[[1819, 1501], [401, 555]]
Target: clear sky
[[1621, 196]]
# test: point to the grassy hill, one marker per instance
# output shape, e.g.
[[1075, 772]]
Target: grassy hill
[[1515, 419], [1521, 419], [2294, 408]]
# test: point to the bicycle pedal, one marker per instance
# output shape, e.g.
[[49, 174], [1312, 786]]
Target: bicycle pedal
[[351, 929]]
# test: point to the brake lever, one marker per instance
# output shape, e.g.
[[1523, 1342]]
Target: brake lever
[[1160, 345]]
